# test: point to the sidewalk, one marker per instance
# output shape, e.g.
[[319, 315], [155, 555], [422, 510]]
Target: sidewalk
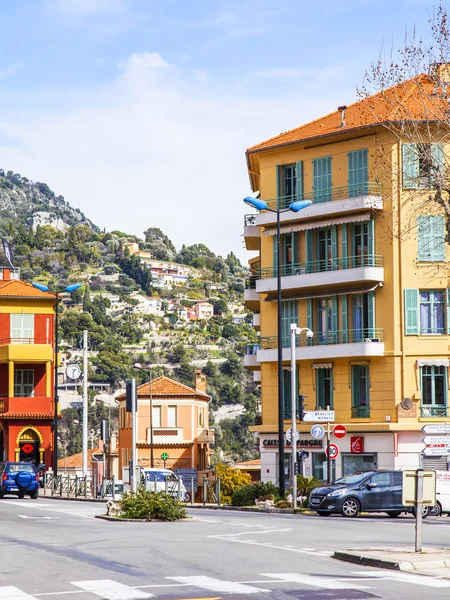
[[431, 561]]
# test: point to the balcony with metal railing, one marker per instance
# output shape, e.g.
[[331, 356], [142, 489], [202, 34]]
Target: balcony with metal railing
[[365, 268], [251, 232], [360, 412], [35, 404], [251, 296], [331, 344], [251, 357], [31, 349], [433, 410], [341, 200]]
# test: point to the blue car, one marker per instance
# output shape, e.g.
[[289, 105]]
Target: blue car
[[19, 479], [363, 491]]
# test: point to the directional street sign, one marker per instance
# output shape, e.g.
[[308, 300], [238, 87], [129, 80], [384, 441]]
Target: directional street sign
[[436, 428], [339, 431], [436, 439], [317, 432], [319, 415], [334, 451], [436, 451], [289, 435]]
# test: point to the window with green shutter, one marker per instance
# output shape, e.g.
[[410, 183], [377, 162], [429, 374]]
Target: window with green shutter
[[421, 164], [287, 386], [358, 172], [411, 304], [360, 391], [324, 388], [434, 392], [431, 238], [322, 179], [289, 314], [290, 183]]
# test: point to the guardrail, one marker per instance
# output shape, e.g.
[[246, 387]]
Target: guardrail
[[323, 266], [326, 338], [368, 188], [65, 485]]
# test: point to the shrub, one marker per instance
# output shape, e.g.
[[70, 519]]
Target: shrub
[[150, 505], [231, 480], [283, 504], [305, 485], [247, 495]]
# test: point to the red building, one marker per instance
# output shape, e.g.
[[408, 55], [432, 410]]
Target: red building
[[26, 370]]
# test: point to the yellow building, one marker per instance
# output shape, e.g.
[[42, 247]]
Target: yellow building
[[365, 268]]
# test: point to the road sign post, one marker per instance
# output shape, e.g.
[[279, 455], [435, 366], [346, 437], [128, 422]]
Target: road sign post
[[164, 457], [419, 489]]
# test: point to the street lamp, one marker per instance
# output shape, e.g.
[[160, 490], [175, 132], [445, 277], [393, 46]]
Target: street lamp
[[309, 334], [45, 288], [296, 206], [141, 368]]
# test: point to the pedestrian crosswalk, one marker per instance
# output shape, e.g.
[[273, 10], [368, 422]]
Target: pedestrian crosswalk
[[75, 509], [109, 589]]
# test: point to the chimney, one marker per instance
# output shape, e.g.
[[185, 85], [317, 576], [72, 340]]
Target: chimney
[[441, 72], [200, 381], [342, 110], [6, 274]]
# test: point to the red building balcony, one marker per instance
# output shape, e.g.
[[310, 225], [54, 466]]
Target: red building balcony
[[38, 406]]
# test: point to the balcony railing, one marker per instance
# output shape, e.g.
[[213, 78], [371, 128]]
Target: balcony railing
[[321, 266], [337, 193], [39, 402], [434, 411], [250, 284], [342, 336], [252, 349], [360, 412], [25, 340]]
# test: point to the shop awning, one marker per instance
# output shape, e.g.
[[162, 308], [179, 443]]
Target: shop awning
[[316, 224]]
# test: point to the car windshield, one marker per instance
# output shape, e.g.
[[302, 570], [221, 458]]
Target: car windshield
[[158, 476], [353, 478], [18, 468]]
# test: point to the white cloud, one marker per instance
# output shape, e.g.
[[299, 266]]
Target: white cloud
[[10, 70], [155, 147], [84, 8]]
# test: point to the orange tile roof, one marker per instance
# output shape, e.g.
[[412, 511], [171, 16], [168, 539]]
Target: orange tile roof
[[76, 460], [15, 288], [164, 386], [249, 464], [26, 415], [412, 100]]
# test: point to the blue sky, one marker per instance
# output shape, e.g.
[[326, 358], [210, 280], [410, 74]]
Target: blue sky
[[139, 111]]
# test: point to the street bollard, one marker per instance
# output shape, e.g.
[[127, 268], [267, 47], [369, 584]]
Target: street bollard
[[218, 491], [179, 489], [45, 484], [166, 483], [192, 490], [204, 491]]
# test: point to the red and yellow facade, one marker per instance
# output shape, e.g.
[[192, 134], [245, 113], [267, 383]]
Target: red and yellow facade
[[26, 370]]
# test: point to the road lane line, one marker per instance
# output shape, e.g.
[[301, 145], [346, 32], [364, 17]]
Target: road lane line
[[111, 590], [218, 585], [321, 582], [406, 578], [9, 592]]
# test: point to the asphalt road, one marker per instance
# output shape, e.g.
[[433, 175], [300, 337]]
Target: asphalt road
[[57, 549]]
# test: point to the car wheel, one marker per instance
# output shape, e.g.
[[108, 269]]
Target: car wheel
[[394, 513], [323, 513], [34, 495], [435, 511], [425, 511], [21, 494], [350, 508]]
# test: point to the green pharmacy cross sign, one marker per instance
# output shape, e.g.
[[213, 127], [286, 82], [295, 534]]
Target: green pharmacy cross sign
[[164, 456]]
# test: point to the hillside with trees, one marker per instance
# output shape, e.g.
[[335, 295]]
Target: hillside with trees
[[132, 315]]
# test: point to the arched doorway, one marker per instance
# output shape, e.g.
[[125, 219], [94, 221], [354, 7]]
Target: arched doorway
[[29, 446]]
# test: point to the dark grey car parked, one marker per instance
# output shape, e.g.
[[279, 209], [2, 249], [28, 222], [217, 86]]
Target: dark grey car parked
[[363, 491]]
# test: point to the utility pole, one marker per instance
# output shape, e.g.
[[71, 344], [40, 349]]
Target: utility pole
[[85, 403]]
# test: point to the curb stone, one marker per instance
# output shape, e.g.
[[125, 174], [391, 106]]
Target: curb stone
[[392, 565]]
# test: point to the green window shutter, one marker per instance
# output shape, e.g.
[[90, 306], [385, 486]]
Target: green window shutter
[[358, 172], [299, 171], [295, 247], [344, 247], [334, 319], [334, 250], [410, 163], [371, 236], [344, 314], [437, 156], [411, 299], [309, 250], [322, 179], [279, 172], [431, 238], [448, 310], [309, 314], [289, 314], [275, 255], [371, 313]]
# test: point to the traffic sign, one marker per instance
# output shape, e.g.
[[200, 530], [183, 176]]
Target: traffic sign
[[164, 456], [445, 451], [317, 431], [437, 439], [289, 435], [339, 431], [334, 451], [436, 428], [319, 415]]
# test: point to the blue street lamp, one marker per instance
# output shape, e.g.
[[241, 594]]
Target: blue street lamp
[[45, 288], [296, 206]]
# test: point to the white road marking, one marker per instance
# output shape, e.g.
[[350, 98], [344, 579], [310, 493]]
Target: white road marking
[[322, 582], [9, 592], [270, 545], [111, 590], [87, 512], [228, 535], [37, 517], [217, 585], [405, 578]]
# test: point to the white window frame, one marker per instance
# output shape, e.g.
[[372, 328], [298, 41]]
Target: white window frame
[[156, 416], [172, 416], [23, 388], [22, 328]]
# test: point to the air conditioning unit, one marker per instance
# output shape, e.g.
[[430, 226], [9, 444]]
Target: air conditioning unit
[[367, 340]]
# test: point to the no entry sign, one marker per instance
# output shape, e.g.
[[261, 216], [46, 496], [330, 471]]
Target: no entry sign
[[334, 451], [339, 431]]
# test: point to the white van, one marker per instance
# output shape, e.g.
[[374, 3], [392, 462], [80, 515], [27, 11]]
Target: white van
[[442, 494], [161, 480]]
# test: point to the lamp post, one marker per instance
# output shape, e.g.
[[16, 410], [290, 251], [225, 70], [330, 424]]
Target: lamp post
[[309, 334], [296, 206], [44, 288], [141, 368]]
